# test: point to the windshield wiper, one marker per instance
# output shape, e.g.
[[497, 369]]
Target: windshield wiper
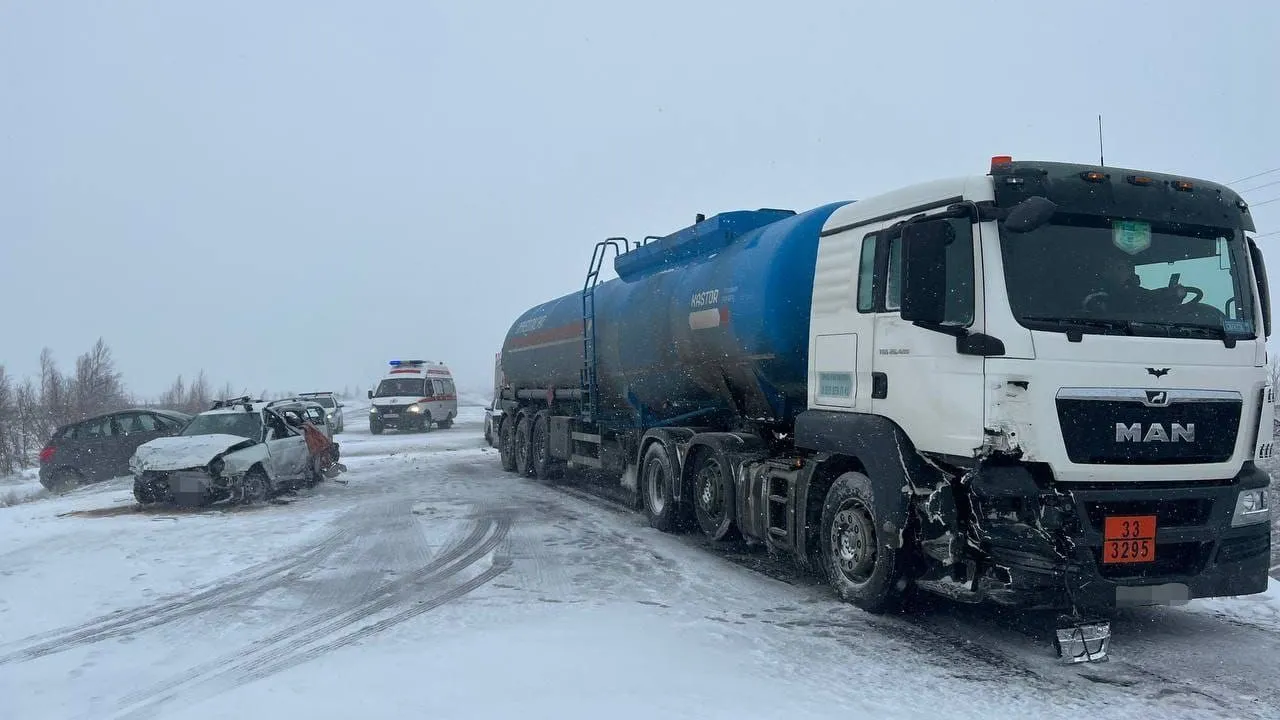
[[1190, 331], [1073, 326]]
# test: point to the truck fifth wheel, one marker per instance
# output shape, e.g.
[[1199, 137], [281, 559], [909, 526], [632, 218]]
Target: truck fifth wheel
[[1042, 387]]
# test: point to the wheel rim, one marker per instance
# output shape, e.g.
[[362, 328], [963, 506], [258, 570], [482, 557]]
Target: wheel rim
[[853, 543], [522, 450], [540, 446], [655, 481], [711, 489]]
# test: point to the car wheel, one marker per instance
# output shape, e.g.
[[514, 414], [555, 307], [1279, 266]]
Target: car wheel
[[63, 480]]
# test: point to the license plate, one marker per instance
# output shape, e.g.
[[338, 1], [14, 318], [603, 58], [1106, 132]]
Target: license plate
[[189, 483], [390, 415], [1129, 539]]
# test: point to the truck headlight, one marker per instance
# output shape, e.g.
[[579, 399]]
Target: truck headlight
[[1251, 508], [373, 411], [415, 408]]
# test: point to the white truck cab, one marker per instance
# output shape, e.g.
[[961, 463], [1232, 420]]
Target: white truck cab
[[414, 394]]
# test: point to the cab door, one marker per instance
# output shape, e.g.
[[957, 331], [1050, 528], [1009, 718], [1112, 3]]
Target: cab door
[[923, 379]]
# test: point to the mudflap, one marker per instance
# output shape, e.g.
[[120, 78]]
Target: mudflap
[[1081, 640]]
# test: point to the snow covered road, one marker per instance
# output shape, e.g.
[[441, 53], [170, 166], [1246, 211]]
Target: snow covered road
[[434, 585]]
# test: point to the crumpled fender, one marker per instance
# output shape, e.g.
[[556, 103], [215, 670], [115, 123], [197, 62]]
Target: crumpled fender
[[239, 461]]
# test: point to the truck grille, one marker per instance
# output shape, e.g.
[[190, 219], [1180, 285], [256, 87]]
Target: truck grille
[[1156, 427]]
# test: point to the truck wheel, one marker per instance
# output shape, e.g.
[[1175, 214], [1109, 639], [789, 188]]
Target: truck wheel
[[655, 486], [540, 450], [506, 443], [713, 495], [524, 432], [859, 565], [375, 427]]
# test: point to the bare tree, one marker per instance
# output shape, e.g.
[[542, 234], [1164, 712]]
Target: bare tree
[[32, 432], [198, 394], [10, 426], [98, 387]]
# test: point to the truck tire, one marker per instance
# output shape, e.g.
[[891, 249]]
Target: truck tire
[[861, 568], [713, 494], [656, 474], [540, 448], [375, 427], [523, 446], [507, 442]]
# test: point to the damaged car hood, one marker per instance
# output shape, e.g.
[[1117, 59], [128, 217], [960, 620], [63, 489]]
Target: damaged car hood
[[180, 452]]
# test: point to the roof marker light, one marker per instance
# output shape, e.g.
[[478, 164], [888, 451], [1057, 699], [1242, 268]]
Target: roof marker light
[[998, 160]]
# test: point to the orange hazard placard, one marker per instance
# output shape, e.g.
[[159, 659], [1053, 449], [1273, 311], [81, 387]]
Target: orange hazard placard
[[1129, 539]]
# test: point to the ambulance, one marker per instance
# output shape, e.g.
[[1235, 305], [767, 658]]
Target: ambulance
[[413, 395]]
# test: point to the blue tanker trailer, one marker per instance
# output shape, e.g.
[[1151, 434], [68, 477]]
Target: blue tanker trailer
[[708, 326], [926, 389]]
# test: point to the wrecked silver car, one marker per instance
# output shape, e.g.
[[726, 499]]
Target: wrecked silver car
[[241, 451]]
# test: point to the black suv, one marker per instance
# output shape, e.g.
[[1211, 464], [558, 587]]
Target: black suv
[[99, 448]]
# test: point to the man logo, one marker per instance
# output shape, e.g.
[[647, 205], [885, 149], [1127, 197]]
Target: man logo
[[1155, 433], [1157, 398]]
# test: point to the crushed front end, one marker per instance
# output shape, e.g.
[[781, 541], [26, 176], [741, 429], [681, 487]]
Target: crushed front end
[[1096, 547]]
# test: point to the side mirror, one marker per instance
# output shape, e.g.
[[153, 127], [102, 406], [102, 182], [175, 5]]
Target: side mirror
[[1029, 214], [924, 271], [370, 394], [1264, 287], [340, 406]]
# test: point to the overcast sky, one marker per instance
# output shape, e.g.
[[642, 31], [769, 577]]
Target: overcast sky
[[288, 194]]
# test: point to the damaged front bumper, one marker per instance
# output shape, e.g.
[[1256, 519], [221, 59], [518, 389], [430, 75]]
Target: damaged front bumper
[[1034, 543], [189, 488]]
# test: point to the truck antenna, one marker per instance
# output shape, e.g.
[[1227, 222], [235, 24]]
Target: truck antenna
[[1101, 157]]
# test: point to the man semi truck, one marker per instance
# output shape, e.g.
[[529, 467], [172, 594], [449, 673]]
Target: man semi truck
[[1040, 387]]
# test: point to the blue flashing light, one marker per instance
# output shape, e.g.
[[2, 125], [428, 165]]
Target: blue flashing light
[[398, 363]]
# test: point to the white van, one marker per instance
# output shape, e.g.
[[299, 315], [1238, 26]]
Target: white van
[[413, 395]]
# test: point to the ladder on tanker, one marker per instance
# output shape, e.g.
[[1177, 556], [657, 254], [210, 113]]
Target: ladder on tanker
[[590, 385]]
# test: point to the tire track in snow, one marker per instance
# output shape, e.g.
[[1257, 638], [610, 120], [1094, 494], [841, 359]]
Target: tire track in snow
[[270, 654], [260, 579]]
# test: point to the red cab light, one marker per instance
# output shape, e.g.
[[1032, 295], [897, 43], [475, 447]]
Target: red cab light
[[998, 160], [46, 454], [1093, 176], [1183, 185]]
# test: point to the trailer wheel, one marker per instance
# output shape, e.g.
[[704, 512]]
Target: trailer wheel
[[713, 494], [506, 442], [655, 486], [859, 565], [540, 450], [524, 432]]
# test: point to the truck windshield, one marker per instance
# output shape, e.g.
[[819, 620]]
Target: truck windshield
[[1108, 275], [246, 425], [400, 387]]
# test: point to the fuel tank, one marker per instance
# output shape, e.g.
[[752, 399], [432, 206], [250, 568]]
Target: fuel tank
[[709, 325]]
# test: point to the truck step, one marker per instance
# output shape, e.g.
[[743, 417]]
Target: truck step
[[593, 438], [586, 461], [778, 532], [778, 499]]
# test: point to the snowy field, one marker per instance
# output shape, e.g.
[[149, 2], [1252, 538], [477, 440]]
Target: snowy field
[[433, 585]]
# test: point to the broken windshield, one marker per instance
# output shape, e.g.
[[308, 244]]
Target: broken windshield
[[1108, 275], [246, 425]]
